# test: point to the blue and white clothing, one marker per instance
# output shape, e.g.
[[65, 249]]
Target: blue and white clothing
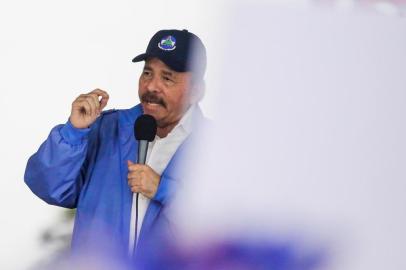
[[87, 169]]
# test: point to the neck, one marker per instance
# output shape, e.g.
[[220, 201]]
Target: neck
[[163, 131]]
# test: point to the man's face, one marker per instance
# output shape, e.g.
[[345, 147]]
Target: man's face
[[164, 93]]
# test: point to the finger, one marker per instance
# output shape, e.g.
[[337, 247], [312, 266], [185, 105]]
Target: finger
[[133, 182], [82, 96], [78, 100], [87, 101], [83, 106], [94, 104], [135, 167], [99, 92], [133, 175], [95, 100], [104, 97], [136, 189], [103, 102]]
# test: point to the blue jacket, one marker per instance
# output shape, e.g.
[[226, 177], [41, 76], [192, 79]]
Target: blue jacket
[[87, 169]]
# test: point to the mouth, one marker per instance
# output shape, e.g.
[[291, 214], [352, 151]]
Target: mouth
[[152, 108], [152, 104]]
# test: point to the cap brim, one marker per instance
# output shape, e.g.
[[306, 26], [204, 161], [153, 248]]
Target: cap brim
[[140, 57], [145, 56]]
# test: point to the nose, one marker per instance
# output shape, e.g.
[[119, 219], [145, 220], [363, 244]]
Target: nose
[[152, 85]]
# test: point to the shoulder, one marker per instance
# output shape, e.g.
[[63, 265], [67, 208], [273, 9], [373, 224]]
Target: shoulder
[[109, 114], [110, 121], [108, 117], [123, 116], [128, 116]]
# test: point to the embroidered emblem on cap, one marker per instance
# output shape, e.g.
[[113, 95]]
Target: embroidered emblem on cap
[[168, 43]]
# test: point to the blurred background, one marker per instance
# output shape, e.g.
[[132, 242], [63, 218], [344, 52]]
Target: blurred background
[[315, 89]]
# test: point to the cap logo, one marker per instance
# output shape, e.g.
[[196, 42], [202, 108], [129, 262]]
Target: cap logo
[[168, 43]]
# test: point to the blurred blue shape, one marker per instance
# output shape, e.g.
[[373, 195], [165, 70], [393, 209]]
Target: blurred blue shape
[[235, 254]]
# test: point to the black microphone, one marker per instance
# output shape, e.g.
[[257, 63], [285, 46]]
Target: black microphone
[[144, 131]]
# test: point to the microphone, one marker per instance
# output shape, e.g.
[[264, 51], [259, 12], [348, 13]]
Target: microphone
[[144, 131]]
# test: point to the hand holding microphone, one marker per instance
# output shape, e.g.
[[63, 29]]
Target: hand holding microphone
[[87, 107], [142, 178]]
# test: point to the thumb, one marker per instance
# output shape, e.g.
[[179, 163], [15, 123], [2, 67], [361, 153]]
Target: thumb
[[103, 102], [129, 163]]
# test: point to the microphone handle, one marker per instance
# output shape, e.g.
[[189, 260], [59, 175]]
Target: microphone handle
[[142, 151], [142, 156]]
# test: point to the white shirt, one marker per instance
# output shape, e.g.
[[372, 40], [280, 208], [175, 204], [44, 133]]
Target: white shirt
[[160, 152]]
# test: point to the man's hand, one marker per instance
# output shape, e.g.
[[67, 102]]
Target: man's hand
[[87, 107], [143, 179]]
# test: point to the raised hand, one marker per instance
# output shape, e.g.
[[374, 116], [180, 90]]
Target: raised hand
[[87, 107]]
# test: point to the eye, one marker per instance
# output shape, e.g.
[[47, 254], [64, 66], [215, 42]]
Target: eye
[[146, 73], [167, 80]]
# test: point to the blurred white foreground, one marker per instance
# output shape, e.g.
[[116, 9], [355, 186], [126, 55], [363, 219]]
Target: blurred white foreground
[[309, 145]]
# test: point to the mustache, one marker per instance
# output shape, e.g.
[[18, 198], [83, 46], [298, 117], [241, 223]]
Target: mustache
[[153, 98]]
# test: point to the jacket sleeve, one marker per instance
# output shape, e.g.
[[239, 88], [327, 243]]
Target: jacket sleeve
[[166, 190], [56, 172]]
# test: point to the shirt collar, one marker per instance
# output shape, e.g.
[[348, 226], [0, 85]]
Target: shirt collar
[[184, 125]]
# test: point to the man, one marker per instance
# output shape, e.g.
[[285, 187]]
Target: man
[[88, 163]]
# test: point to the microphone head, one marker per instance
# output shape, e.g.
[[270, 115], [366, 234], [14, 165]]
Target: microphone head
[[145, 128]]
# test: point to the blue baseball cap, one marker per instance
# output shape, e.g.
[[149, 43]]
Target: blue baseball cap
[[180, 50]]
